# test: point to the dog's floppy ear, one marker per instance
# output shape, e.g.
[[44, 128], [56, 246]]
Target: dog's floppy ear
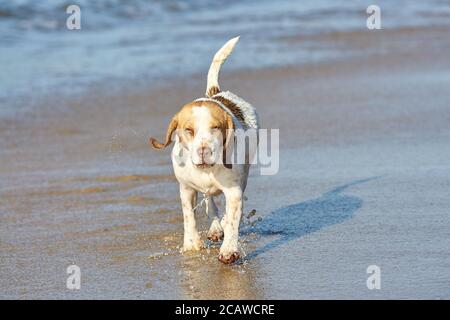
[[172, 126], [228, 143]]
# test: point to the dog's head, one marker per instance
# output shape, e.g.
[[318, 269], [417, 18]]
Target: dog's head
[[204, 129]]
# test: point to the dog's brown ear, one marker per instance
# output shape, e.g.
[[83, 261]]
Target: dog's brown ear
[[228, 143], [172, 126]]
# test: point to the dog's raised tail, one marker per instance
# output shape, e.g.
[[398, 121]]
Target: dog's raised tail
[[212, 86]]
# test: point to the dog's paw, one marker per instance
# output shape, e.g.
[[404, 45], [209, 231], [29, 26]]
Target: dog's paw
[[229, 258], [215, 236], [215, 232], [192, 245]]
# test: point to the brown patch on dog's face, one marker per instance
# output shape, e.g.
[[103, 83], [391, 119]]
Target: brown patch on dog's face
[[197, 127], [188, 125], [220, 119], [183, 119]]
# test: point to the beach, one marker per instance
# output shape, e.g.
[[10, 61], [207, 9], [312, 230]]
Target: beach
[[364, 180]]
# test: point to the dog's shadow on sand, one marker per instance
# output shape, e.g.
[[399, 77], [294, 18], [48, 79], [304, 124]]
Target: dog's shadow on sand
[[297, 220]]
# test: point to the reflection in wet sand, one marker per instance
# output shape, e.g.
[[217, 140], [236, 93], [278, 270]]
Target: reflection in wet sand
[[204, 277], [107, 225]]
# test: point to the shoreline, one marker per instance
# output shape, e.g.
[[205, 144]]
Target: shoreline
[[351, 44], [60, 118]]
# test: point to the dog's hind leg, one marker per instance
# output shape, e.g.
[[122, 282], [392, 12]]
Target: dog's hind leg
[[215, 232]]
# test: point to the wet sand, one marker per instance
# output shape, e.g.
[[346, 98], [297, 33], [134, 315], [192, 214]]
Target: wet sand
[[364, 179]]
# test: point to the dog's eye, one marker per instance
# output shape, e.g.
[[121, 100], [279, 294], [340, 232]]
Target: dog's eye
[[215, 128], [189, 131]]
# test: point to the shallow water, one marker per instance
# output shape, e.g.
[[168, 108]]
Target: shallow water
[[152, 41]]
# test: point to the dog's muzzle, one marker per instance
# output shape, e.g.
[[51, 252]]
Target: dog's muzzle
[[205, 154]]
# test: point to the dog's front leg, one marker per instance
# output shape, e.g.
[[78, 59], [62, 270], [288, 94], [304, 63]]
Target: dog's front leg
[[191, 237], [229, 252]]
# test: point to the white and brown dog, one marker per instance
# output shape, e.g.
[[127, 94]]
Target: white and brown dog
[[204, 137]]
